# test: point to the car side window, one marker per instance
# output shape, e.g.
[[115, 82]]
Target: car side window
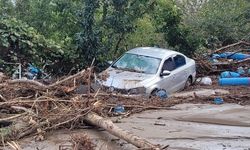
[[179, 61], [168, 65]]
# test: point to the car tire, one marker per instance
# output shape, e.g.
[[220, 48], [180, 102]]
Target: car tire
[[153, 93], [188, 83]]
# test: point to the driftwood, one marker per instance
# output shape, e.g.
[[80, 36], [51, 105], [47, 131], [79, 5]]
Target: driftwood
[[41, 86], [3, 98], [96, 120], [109, 126], [11, 118], [231, 45], [48, 111], [202, 93]]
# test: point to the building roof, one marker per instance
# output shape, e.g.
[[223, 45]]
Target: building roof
[[152, 52]]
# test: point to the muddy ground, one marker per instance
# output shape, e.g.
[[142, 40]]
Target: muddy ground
[[189, 126]]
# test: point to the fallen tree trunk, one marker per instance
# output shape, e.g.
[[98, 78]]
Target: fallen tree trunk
[[108, 125], [93, 119], [202, 93]]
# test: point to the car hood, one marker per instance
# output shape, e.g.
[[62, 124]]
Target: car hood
[[125, 79]]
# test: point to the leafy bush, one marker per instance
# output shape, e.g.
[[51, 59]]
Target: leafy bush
[[20, 43]]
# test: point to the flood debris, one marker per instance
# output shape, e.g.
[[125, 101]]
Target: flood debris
[[109, 126], [14, 145], [159, 123], [81, 142], [218, 100], [39, 108], [204, 81], [227, 58], [35, 108]]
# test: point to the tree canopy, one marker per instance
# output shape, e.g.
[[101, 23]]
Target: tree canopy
[[69, 35]]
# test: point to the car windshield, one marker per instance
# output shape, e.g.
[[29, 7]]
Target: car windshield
[[138, 63]]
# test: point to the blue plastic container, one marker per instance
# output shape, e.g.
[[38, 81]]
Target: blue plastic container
[[162, 94], [218, 100], [119, 109], [234, 81], [228, 74]]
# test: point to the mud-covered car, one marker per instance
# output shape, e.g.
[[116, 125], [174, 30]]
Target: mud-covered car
[[146, 70]]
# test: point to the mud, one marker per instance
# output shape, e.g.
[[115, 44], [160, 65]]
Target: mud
[[195, 126], [189, 127]]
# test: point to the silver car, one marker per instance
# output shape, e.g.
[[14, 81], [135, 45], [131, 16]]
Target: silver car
[[146, 70]]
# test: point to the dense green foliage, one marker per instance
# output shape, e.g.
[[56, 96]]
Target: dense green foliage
[[106, 24], [169, 22], [68, 35], [20, 43], [222, 22]]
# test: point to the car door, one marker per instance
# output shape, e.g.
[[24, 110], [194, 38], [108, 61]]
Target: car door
[[168, 82], [180, 75]]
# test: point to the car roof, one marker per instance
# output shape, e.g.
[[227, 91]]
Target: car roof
[[152, 52]]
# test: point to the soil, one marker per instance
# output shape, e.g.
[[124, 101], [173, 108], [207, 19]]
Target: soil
[[189, 126]]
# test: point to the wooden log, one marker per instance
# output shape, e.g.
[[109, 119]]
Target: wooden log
[[37, 84], [79, 74], [3, 98], [231, 45], [109, 126], [41, 86], [11, 118]]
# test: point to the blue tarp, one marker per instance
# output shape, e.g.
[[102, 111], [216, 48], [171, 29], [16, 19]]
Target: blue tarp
[[230, 55], [228, 74]]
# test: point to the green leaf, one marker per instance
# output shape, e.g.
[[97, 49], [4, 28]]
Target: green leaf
[[13, 38]]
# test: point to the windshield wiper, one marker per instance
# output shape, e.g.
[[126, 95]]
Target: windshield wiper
[[132, 70], [128, 69]]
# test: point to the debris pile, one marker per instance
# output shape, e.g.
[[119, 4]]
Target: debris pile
[[82, 142], [234, 57], [31, 107]]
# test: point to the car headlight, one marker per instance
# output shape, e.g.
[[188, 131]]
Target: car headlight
[[139, 90]]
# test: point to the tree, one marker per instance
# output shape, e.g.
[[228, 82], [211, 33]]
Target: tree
[[190, 7], [55, 19], [6, 8], [168, 20], [221, 22], [145, 34], [106, 25]]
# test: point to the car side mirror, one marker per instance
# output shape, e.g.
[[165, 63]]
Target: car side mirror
[[165, 73], [109, 62]]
